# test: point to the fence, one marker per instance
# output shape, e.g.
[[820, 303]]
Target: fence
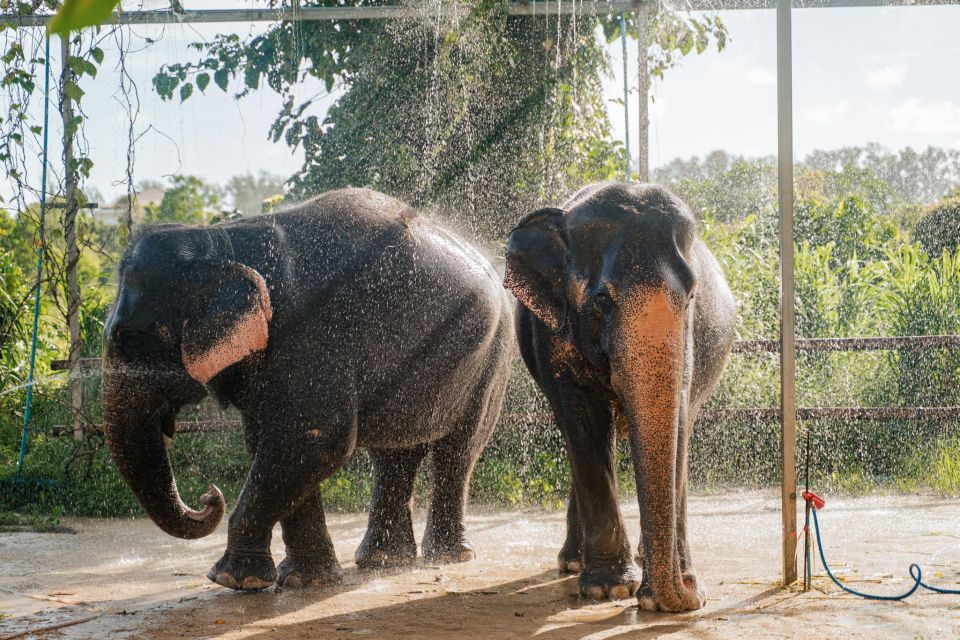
[[709, 415]]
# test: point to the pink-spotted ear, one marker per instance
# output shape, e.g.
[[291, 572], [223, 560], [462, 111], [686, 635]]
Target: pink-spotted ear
[[229, 321], [536, 265]]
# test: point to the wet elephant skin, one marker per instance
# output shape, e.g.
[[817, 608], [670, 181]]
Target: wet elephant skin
[[347, 321], [625, 322]]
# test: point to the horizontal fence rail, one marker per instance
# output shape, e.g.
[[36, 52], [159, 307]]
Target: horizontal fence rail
[[730, 414], [747, 346], [851, 344], [727, 414]]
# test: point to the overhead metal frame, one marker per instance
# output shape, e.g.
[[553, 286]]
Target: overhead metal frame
[[542, 8]]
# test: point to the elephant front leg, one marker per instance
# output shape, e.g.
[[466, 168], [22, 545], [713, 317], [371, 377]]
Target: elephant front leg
[[608, 569], [284, 474], [389, 540], [311, 558]]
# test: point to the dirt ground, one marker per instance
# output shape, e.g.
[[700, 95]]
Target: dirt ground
[[140, 583]]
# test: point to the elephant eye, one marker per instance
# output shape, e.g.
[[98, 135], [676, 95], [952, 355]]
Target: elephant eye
[[602, 299]]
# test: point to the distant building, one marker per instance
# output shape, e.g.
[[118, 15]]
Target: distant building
[[113, 215]]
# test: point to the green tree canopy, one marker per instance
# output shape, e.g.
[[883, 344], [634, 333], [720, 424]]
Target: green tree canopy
[[484, 114], [189, 199]]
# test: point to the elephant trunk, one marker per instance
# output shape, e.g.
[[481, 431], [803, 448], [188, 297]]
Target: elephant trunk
[[647, 371], [136, 417]]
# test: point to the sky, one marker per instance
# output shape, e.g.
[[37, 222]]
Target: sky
[[887, 75]]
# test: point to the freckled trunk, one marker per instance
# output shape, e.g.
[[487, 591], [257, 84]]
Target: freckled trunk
[[136, 417], [647, 370]]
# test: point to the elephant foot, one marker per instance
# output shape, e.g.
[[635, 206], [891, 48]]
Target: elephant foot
[[690, 598], [569, 560], [243, 571], [614, 583], [298, 573], [460, 550], [381, 550]]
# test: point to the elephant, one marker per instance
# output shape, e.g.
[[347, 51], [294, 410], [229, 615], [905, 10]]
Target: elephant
[[346, 321], [625, 322]]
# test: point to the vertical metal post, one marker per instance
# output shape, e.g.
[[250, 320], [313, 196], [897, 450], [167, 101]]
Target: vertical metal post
[[788, 396], [626, 93], [643, 91], [70, 239]]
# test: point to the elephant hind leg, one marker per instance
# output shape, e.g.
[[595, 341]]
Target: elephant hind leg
[[570, 558], [454, 457], [389, 538]]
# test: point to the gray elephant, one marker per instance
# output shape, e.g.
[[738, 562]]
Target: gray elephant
[[345, 321], [625, 321]]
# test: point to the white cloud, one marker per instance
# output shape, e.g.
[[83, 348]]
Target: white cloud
[[886, 78], [827, 114], [926, 117], [756, 75]]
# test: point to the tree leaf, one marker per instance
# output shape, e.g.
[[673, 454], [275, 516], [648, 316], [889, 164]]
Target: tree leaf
[[73, 124], [221, 78], [186, 91], [73, 91], [97, 54], [203, 79], [77, 14], [76, 65]]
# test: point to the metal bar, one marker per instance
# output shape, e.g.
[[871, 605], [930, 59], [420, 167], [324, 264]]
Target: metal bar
[[541, 8], [64, 365], [851, 344], [626, 92], [749, 346], [732, 414], [644, 19], [788, 354], [830, 413]]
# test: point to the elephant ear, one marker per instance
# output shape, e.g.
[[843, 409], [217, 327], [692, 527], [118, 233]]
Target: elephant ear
[[536, 265], [229, 319]]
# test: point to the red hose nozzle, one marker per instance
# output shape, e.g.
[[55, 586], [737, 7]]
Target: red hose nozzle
[[813, 499]]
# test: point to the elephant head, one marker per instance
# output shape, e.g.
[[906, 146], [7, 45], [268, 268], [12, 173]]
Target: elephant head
[[612, 276], [181, 317]]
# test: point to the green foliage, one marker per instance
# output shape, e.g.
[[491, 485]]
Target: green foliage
[[671, 34], [189, 200], [74, 15], [251, 194], [939, 229], [522, 119]]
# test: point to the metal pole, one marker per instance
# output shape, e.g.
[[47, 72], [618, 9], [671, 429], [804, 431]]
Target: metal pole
[[788, 398], [70, 239], [626, 92], [644, 16]]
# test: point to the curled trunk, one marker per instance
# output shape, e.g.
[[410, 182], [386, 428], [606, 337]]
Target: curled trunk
[[136, 418]]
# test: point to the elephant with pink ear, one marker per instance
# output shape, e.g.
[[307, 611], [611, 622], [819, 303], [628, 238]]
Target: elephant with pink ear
[[625, 322], [346, 321]]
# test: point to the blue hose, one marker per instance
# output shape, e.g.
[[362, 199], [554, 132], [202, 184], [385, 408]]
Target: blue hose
[[915, 572], [36, 301]]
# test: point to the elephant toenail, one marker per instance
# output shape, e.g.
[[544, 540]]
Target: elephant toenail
[[619, 592]]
